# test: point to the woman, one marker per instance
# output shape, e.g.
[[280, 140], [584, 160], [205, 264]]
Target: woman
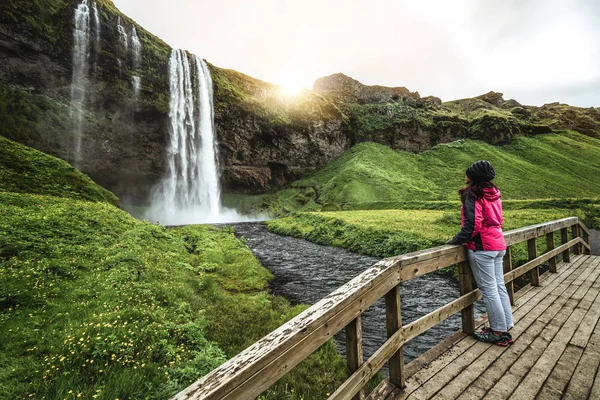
[[482, 234]]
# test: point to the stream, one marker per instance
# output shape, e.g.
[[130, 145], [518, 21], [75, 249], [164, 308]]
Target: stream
[[306, 272]]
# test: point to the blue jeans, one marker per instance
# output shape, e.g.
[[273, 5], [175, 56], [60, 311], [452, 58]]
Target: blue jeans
[[488, 271]]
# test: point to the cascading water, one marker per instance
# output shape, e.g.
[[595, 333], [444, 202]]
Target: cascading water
[[80, 58], [96, 22], [137, 86], [122, 34], [190, 193], [136, 48]]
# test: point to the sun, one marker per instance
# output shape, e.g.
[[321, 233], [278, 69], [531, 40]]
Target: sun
[[292, 86]]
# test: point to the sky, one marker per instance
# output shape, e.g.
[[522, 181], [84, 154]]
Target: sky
[[533, 51]]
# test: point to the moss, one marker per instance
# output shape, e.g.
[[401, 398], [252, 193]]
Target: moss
[[25, 170]]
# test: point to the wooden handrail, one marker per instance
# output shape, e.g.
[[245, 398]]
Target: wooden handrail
[[251, 372]]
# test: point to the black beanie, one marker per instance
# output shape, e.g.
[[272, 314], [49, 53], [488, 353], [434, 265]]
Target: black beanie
[[481, 171]]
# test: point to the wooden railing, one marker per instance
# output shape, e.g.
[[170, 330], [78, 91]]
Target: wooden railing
[[252, 371]]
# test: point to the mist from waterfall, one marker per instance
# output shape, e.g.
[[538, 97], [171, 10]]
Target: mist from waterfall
[[80, 58], [190, 193]]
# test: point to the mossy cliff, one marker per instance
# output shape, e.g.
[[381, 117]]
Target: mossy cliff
[[266, 138]]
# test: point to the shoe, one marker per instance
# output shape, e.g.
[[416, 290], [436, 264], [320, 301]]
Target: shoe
[[508, 336], [489, 337]]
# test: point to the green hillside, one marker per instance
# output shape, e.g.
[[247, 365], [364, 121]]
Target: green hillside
[[26, 170], [557, 165], [95, 304]]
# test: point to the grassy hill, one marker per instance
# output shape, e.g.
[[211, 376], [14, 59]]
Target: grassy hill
[[95, 304], [26, 170], [557, 165]]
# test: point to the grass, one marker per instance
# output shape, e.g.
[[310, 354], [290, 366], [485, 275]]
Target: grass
[[385, 233], [96, 304], [156, 308], [562, 165], [25, 170]]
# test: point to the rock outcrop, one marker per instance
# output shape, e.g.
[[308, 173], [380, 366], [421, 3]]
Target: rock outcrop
[[343, 89]]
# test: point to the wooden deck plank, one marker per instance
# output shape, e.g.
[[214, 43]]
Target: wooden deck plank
[[522, 297], [524, 304], [536, 377], [595, 393], [525, 361], [555, 385], [457, 365], [583, 377], [524, 333]]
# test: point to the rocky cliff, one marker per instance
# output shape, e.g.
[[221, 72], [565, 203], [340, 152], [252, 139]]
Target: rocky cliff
[[266, 138]]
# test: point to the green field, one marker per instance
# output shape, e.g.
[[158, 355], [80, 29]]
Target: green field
[[95, 304], [385, 233], [559, 165]]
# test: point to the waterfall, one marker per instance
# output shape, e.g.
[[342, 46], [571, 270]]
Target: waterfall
[[136, 47], [96, 22], [80, 58], [207, 187], [137, 85], [190, 193], [122, 34], [193, 183]]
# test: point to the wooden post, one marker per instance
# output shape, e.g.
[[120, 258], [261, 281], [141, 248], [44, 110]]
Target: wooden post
[[564, 238], [575, 234], [586, 238], [550, 247], [354, 352], [394, 322], [510, 286], [532, 253], [465, 285]]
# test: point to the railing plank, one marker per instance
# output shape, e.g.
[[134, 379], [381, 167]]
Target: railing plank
[[408, 332], [523, 269], [522, 234], [311, 328]]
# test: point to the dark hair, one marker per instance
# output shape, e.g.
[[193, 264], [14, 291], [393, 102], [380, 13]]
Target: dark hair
[[475, 189]]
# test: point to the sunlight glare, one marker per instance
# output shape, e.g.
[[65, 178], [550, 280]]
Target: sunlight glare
[[291, 86]]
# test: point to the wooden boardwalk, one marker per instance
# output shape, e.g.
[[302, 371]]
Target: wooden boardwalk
[[556, 353]]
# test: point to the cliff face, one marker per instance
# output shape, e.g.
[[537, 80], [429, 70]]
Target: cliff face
[[266, 139]]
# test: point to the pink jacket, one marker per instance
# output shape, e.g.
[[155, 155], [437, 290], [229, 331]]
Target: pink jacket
[[482, 222]]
